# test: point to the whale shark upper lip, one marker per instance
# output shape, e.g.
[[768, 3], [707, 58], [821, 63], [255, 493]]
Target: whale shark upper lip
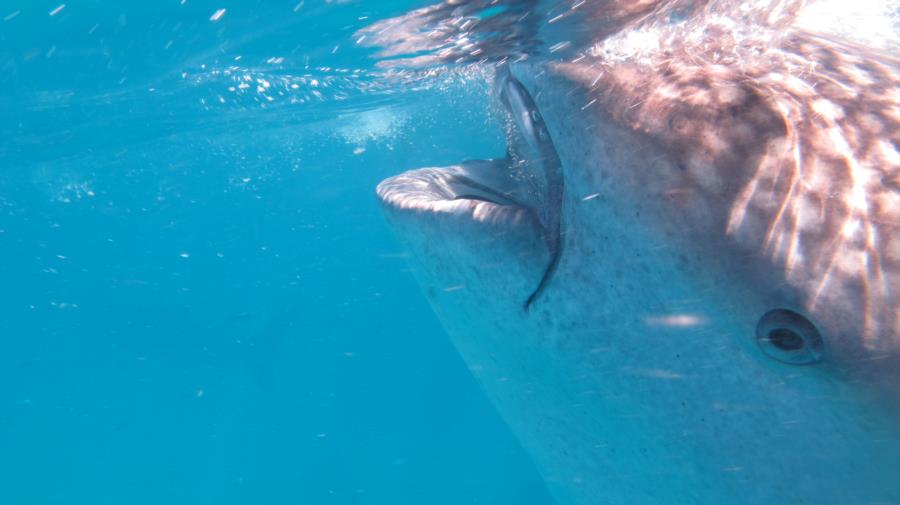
[[455, 190]]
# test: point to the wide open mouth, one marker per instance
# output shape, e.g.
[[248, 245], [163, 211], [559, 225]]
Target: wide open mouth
[[468, 226], [526, 186]]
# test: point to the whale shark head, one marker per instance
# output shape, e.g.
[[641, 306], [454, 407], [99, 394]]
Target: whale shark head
[[718, 320]]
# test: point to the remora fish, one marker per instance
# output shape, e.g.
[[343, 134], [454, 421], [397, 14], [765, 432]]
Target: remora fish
[[540, 150], [724, 324]]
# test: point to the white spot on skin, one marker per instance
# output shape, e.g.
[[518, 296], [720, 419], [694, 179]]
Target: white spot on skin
[[827, 109], [889, 152], [676, 320]]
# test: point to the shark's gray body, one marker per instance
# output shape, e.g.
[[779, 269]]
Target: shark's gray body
[[707, 183]]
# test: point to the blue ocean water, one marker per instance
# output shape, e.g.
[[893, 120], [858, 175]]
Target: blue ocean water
[[200, 300]]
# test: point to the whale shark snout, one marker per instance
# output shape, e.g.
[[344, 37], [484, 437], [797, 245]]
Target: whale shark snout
[[723, 324], [528, 182], [473, 220]]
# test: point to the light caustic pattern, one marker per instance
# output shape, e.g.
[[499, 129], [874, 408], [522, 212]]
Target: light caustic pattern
[[797, 132]]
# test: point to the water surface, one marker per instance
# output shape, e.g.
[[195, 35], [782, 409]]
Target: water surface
[[201, 302]]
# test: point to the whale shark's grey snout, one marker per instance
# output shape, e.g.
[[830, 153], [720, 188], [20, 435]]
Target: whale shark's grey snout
[[473, 219], [528, 182]]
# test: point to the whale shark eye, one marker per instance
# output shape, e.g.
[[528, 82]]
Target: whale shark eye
[[787, 336]]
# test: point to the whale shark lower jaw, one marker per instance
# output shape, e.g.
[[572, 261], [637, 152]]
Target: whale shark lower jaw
[[722, 326]]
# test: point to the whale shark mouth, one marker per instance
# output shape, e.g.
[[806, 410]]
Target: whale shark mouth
[[472, 206], [478, 190], [521, 192]]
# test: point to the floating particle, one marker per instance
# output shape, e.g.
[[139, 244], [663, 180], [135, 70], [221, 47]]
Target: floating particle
[[217, 15], [57, 9]]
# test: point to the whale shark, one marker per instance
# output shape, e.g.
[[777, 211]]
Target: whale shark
[[707, 196]]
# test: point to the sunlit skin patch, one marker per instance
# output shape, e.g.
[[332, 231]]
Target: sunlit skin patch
[[792, 133]]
